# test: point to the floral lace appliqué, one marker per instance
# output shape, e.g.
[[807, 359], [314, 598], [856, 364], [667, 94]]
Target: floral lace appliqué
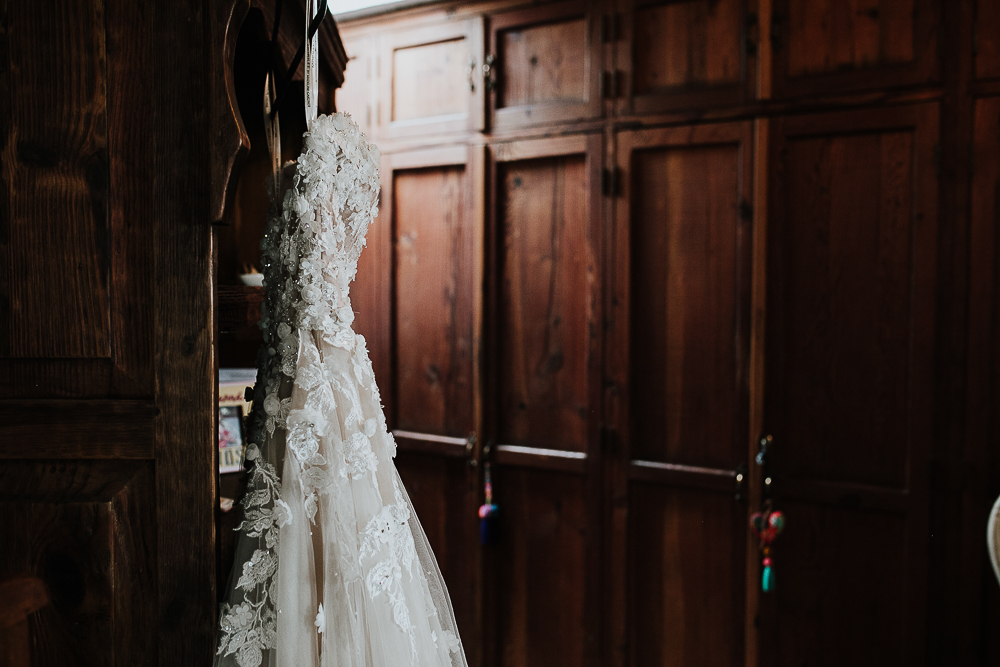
[[249, 628]]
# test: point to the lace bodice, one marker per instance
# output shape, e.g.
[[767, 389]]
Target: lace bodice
[[326, 212]]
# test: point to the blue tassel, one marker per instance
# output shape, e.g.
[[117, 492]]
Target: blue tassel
[[488, 524], [767, 580], [489, 527]]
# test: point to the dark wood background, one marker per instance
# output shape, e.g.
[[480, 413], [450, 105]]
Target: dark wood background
[[106, 350], [654, 232], [651, 234]]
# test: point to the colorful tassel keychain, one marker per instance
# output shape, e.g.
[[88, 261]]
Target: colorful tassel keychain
[[488, 519], [767, 525]]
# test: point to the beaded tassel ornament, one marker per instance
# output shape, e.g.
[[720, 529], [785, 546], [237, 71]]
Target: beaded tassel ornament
[[488, 526], [767, 525]]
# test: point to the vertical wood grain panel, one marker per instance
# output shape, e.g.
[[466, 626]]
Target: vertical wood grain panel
[[132, 167], [695, 43], [686, 577], [433, 301], [845, 250], [543, 63], [184, 346], [541, 564], [54, 208], [684, 300], [545, 320]]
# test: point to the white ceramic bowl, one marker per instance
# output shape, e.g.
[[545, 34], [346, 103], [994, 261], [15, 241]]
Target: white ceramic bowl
[[252, 279]]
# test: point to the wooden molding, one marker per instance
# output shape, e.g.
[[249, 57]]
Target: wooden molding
[[231, 143]]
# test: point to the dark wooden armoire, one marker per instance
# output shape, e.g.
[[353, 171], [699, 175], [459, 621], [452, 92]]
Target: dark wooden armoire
[[120, 142], [622, 242]]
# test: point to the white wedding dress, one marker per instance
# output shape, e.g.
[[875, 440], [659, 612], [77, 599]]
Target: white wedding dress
[[332, 567]]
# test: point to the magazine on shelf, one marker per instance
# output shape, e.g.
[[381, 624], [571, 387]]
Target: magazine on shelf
[[233, 408]]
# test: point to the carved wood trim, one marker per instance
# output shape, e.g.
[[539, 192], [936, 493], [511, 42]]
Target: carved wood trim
[[231, 143]]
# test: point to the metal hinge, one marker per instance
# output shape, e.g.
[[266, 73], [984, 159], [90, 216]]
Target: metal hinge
[[776, 20], [609, 28], [611, 182], [752, 34]]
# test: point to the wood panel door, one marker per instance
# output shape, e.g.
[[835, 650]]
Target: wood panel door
[[545, 65], [677, 396], [682, 55], [430, 80], [849, 371], [358, 95], [107, 431], [418, 306], [543, 593], [831, 46]]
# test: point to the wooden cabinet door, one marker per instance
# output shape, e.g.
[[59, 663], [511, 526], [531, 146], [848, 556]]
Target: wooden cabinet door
[[545, 65], [677, 395], [849, 371], [677, 55], [417, 305], [430, 81], [831, 46], [107, 432], [543, 595]]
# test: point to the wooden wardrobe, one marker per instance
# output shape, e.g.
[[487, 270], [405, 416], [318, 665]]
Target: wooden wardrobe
[[121, 144], [623, 242]]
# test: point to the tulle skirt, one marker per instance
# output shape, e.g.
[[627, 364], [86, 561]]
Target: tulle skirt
[[332, 566]]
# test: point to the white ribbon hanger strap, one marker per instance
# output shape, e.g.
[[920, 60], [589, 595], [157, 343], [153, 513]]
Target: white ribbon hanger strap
[[317, 10], [272, 130], [311, 74]]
